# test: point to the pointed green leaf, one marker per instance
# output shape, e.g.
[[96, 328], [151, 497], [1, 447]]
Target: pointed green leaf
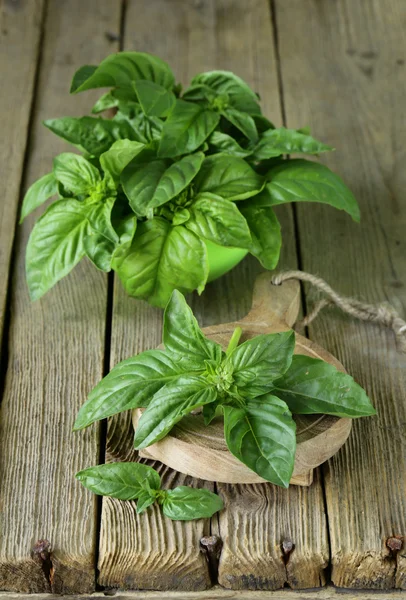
[[312, 386], [169, 405], [155, 100], [244, 122], [130, 384], [186, 129], [121, 70], [106, 102], [265, 232], [183, 337], [118, 156], [262, 435], [185, 503], [275, 142], [242, 97], [122, 480], [144, 500], [56, 245], [38, 193], [91, 134], [300, 180], [76, 173], [149, 183], [259, 361], [101, 240], [221, 142], [218, 220], [175, 259], [229, 177]]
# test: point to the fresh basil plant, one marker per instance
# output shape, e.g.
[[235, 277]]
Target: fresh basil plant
[[170, 173], [135, 481], [255, 387]]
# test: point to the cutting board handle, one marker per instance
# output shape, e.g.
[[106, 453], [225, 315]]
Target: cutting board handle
[[274, 306]]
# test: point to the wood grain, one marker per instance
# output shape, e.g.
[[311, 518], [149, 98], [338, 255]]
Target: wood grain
[[20, 33], [192, 37], [217, 592], [55, 352], [346, 61]]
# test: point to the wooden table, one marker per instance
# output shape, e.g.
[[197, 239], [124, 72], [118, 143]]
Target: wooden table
[[335, 65]]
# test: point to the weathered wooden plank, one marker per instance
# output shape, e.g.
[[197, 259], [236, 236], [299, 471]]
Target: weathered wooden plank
[[260, 518], [20, 32], [56, 351], [194, 37], [344, 75], [329, 593], [149, 551]]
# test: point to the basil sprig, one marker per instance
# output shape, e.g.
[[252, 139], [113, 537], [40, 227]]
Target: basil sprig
[[168, 172], [135, 481], [255, 387]]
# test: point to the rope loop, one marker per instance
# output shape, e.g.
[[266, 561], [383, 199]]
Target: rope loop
[[382, 313]]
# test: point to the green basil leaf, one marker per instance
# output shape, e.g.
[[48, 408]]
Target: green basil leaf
[[76, 173], [229, 177], [123, 220], [199, 93], [144, 500], [169, 405], [226, 82], [155, 100], [121, 70], [210, 411], [245, 123], [122, 480], [313, 386], [262, 435], [106, 102], [181, 216], [275, 142], [301, 180], [221, 142], [38, 193], [150, 183], [160, 259], [118, 156], [56, 245], [101, 239], [218, 220], [262, 123], [183, 337], [265, 233], [147, 129], [130, 384], [90, 134], [186, 129], [245, 104], [185, 503], [259, 361]]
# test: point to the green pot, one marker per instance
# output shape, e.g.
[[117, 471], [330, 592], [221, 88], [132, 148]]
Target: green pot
[[222, 260]]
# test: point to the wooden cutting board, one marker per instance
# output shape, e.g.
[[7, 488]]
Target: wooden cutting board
[[198, 450]]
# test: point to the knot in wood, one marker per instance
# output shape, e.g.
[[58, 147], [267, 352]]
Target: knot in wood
[[394, 543]]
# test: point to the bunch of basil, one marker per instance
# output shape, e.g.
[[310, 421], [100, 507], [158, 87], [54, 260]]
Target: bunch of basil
[[255, 387], [169, 174]]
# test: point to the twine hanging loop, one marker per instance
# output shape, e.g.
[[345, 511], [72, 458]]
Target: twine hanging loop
[[383, 313]]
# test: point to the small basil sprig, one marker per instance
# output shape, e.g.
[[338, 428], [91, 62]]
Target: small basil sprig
[[135, 481], [256, 386], [168, 175]]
